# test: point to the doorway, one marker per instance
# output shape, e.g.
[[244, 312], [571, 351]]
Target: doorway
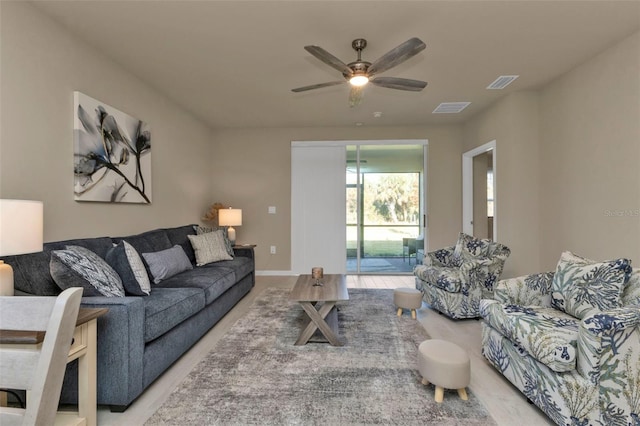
[[385, 208], [479, 201]]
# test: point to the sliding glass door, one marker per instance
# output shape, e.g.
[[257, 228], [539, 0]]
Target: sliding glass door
[[385, 208]]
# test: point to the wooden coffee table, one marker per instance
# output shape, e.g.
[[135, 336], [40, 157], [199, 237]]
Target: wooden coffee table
[[319, 302]]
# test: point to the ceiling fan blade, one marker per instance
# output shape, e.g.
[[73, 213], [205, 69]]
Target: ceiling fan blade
[[397, 55], [328, 59], [355, 95], [399, 83], [317, 86]]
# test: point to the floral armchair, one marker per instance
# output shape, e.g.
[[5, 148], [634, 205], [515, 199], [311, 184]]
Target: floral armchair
[[570, 340], [454, 279]]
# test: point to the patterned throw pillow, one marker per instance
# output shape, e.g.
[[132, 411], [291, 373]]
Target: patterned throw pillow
[[164, 264], [227, 242], [77, 266], [581, 285], [128, 264], [209, 247], [468, 246], [631, 293]]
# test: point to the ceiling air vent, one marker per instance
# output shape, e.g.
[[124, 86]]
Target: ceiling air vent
[[450, 107], [502, 82]]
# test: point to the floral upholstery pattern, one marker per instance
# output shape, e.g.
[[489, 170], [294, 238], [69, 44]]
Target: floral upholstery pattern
[[454, 279], [581, 285], [604, 386]]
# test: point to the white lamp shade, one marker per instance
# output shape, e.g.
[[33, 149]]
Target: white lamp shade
[[230, 217], [20, 227]]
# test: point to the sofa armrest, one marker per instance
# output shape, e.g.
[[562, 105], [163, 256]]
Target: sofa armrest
[[244, 252], [439, 257], [527, 290], [120, 348], [609, 357]]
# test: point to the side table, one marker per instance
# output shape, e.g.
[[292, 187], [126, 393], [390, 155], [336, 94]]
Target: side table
[[84, 349]]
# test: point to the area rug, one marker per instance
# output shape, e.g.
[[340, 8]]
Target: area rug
[[255, 374]]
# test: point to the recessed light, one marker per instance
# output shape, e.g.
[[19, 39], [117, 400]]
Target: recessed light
[[450, 107], [502, 82]]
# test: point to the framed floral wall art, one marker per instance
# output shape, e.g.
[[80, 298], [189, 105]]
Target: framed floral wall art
[[112, 154]]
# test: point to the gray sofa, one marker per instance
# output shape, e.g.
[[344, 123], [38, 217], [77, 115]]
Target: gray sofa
[[140, 337]]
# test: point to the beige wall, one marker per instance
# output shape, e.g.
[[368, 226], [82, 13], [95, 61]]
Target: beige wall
[[567, 163], [590, 149], [513, 124], [41, 66], [252, 170]]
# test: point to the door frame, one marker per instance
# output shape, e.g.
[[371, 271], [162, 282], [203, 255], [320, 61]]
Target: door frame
[[467, 187]]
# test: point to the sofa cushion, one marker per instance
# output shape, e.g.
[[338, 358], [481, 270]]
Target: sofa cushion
[[77, 266], [128, 264], [548, 335], [212, 280], [149, 241], [99, 246], [581, 285], [242, 266], [164, 264], [165, 308], [179, 236]]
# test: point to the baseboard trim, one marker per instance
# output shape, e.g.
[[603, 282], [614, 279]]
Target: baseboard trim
[[276, 273]]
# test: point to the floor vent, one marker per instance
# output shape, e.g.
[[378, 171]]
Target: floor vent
[[502, 82], [450, 107]]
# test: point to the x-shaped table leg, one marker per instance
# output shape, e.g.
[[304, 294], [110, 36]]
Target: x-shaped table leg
[[318, 322]]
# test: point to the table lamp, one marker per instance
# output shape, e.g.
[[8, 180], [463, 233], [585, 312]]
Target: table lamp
[[20, 233], [230, 217]]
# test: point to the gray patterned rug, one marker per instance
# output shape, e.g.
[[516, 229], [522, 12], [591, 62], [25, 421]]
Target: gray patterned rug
[[255, 375]]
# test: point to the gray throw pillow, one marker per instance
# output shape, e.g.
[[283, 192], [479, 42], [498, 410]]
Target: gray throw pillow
[[209, 247], [77, 266], [164, 264], [128, 264], [225, 231]]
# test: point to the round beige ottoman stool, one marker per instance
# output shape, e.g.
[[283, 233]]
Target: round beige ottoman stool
[[446, 365], [407, 298]]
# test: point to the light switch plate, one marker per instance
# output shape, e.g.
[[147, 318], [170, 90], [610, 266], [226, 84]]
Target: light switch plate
[[272, 209]]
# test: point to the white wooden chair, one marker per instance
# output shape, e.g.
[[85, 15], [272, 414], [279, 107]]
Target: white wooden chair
[[38, 369]]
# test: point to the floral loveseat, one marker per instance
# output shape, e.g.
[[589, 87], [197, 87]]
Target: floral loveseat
[[453, 280], [570, 340]]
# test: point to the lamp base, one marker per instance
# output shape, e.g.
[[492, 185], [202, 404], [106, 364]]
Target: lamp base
[[231, 233], [6, 279]]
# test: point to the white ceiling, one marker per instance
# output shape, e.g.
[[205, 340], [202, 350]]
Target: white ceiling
[[233, 63]]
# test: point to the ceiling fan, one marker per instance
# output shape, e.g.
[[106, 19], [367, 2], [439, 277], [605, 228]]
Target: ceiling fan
[[359, 72]]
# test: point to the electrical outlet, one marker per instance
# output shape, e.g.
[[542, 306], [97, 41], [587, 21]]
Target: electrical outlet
[[273, 250]]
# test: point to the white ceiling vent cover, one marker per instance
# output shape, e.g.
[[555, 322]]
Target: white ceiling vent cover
[[450, 107], [502, 82]]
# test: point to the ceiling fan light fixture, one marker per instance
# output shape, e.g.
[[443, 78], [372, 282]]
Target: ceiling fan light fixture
[[359, 80]]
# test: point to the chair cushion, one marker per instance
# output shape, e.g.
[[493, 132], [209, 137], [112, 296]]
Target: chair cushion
[[212, 280], [581, 285], [165, 308], [548, 335], [448, 279]]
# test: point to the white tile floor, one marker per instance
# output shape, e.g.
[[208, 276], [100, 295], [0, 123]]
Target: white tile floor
[[502, 400]]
